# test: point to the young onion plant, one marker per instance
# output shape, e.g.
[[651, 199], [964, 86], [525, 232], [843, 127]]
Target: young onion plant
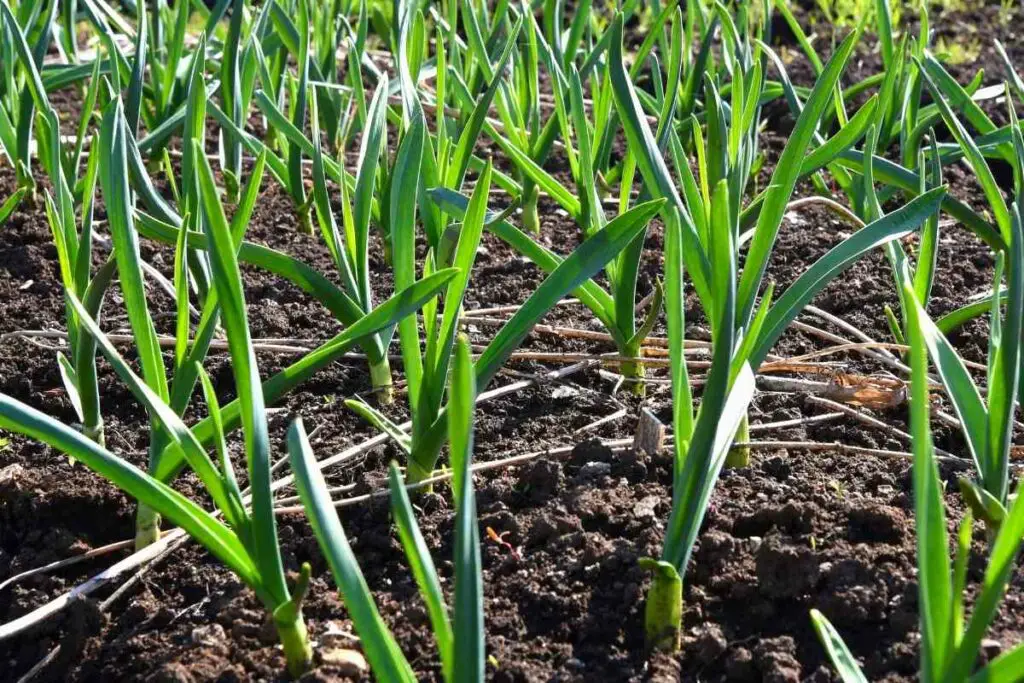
[[351, 252], [331, 31], [74, 252], [163, 222], [987, 422], [517, 101], [189, 350], [421, 161], [21, 88], [701, 238], [447, 155], [903, 82], [273, 39], [387, 210], [74, 244], [898, 116], [311, 37], [997, 144], [987, 425], [166, 32], [950, 642], [576, 49], [426, 368], [709, 204], [615, 306], [587, 133], [192, 345], [459, 630]]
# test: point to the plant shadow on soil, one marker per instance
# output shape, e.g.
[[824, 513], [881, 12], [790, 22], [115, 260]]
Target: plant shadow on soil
[[793, 531]]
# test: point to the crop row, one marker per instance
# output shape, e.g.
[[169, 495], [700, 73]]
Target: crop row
[[292, 89]]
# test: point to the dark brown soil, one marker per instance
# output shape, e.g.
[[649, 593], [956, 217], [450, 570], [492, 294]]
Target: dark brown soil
[[793, 531]]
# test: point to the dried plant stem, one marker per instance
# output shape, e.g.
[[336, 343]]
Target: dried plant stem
[[836, 339], [795, 422], [67, 562], [869, 420], [845, 449], [602, 421], [843, 325]]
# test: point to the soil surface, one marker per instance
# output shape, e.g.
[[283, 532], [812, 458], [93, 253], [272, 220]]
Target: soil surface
[[564, 594]]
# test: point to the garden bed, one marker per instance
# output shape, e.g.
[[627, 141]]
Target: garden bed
[[797, 529]]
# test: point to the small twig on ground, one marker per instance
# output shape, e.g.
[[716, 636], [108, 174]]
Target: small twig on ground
[[498, 310], [795, 422], [853, 346], [841, 448], [836, 339], [165, 341], [857, 346], [333, 490], [602, 421], [839, 392], [89, 586], [66, 562], [843, 325], [869, 420], [52, 655], [573, 332]]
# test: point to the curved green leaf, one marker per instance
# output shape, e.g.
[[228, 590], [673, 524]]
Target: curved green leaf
[[892, 226], [787, 172], [381, 649], [841, 657], [117, 197], [227, 281], [176, 508], [586, 260], [423, 569], [469, 648]]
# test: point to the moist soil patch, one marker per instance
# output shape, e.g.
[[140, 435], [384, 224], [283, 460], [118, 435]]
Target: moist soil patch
[[564, 593]]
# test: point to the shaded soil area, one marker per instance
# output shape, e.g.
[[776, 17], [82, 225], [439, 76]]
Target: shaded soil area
[[564, 593]]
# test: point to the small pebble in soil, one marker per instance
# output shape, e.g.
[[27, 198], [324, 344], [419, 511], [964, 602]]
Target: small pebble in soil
[[595, 548], [350, 663], [12, 478], [646, 507], [991, 648], [564, 391], [593, 470], [574, 664], [211, 637]]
